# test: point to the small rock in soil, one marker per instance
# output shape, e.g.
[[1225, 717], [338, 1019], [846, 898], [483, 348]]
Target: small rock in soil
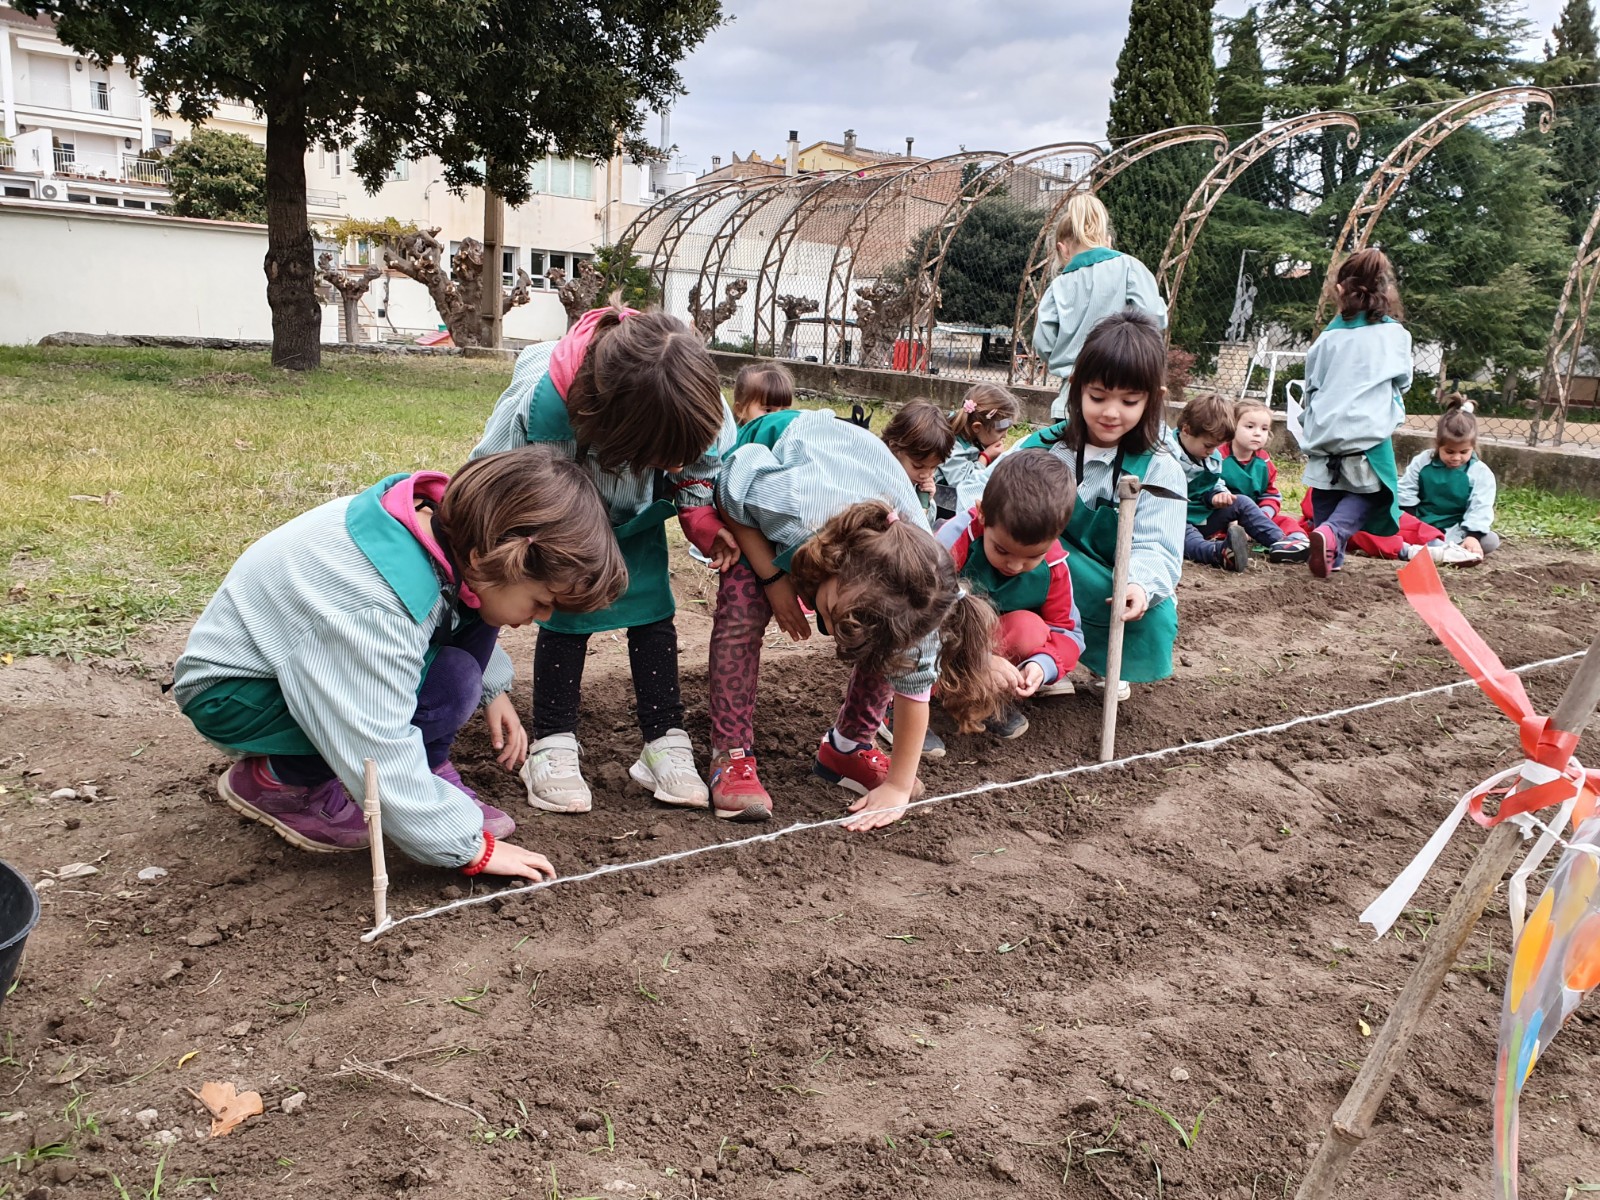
[[1003, 1166], [294, 1103], [587, 1122], [656, 832], [72, 823], [1179, 1075], [147, 1117], [64, 794], [203, 937], [1087, 1104], [172, 972], [148, 873]]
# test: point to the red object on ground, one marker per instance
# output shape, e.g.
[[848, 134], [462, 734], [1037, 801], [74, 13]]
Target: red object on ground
[[440, 338]]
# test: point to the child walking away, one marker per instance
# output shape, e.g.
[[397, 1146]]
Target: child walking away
[[634, 399], [367, 628], [760, 388], [979, 425], [1248, 471], [1114, 429], [1357, 372], [1451, 487], [1093, 281], [1222, 524], [824, 512], [920, 438], [1008, 548]]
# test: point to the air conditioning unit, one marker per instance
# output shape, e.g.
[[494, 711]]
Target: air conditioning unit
[[51, 191]]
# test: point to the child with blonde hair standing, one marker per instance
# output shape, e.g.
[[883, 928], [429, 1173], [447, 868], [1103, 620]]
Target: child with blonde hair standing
[[1092, 282]]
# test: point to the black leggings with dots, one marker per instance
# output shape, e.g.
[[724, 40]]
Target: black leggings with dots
[[558, 679]]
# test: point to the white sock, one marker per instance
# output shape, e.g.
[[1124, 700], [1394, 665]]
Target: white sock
[[840, 743]]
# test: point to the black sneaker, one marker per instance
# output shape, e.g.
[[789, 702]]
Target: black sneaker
[[1010, 722], [932, 743], [1238, 557]]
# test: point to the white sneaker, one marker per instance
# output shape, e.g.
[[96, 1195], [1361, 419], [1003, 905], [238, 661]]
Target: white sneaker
[[666, 768], [555, 782], [1061, 687], [1455, 555], [1123, 690]]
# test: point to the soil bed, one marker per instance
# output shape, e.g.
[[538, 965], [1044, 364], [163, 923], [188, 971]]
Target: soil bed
[[963, 1005]]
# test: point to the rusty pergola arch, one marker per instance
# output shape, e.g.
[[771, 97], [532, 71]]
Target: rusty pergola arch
[[758, 194], [1186, 231], [896, 189], [686, 215], [823, 185], [643, 234], [1566, 335], [1391, 174], [1107, 168], [937, 245]]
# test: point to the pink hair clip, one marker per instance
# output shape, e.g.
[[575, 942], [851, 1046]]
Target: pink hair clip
[[969, 406], [894, 515]]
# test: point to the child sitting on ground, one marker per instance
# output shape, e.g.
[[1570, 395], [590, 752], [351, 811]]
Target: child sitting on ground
[[1248, 471], [1206, 423], [760, 388], [979, 425], [1008, 547], [920, 438], [367, 627], [1451, 488]]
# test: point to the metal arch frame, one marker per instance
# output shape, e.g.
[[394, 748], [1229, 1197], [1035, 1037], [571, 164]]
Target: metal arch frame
[[1114, 163], [759, 192], [663, 210], [841, 270], [987, 182], [1555, 381], [686, 216], [1186, 231], [788, 232], [1391, 174]]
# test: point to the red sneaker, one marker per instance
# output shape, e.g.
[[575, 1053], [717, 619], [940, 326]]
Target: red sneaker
[[1324, 545], [859, 771], [736, 791]]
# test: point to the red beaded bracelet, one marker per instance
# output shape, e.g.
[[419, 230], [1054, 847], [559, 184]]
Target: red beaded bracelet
[[476, 867]]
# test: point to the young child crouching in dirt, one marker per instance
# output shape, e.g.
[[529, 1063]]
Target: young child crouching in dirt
[[920, 438], [1008, 548], [367, 628]]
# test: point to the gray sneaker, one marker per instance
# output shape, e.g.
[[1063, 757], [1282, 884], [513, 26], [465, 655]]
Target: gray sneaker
[[554, 780], [932, 743]]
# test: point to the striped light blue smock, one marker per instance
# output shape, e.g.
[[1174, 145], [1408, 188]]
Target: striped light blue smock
[[305, 606]]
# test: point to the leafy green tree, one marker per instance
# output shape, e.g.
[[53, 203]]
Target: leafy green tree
[[489, 86], [985, 261], [220, 176], [620, 269], [1573, 65], [1242, 82]]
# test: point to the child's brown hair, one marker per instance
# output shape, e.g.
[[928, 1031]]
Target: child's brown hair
[[528, 514], [768, 384], [1241, 408], [897, 585], [1125, 350], [1030, 494], [987, 406], [646, 394], [920, 430], [1210, 416], [1365, 283], [1457, 424]]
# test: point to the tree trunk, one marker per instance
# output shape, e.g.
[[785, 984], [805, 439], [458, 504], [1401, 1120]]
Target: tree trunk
[[494, 216], [352, 320], [291, 273]]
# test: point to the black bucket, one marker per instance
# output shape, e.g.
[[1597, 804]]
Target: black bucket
[[19, 913]]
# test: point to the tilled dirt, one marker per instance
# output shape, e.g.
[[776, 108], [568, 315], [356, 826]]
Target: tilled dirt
[[966, 1004]]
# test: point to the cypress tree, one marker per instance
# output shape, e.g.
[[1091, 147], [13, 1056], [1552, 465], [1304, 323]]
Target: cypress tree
[[1242, 82], [1574, 63]]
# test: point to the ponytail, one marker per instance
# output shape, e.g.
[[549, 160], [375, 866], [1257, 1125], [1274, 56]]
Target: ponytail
[[1457, 424], [966, 640]]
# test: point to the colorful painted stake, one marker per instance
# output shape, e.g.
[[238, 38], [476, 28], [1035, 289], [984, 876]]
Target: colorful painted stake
[[1549, 777], [1128, 488], [380, 870]]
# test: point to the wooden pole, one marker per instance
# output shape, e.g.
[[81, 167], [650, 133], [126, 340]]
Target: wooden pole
[[493, 295], [380, 869], [1352, 1120], [1127, 508]]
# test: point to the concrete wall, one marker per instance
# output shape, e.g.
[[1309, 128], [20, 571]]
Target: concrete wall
[[102, 271]]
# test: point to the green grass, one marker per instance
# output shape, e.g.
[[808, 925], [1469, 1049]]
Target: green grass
[[199, 453]]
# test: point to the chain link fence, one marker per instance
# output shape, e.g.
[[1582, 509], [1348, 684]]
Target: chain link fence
[[1485, 206]]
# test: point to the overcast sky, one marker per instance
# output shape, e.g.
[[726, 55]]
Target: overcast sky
[[988, 75]]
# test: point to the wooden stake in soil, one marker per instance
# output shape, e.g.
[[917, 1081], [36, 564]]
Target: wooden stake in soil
[[380, 869], [1352, 1120], [1128, 488]]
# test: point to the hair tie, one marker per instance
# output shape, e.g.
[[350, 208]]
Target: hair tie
[[969, 406], [894, 515], [1467, 407]]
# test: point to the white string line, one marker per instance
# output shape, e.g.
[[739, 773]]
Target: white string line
[[980, 789]]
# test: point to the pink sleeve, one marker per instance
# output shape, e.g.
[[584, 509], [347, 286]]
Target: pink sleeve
[[700, 526]]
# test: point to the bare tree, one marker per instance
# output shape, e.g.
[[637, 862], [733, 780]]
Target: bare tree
[[794, 307], [580, 294], [887, 307], [457, 296], [705, 319], [350, 288]]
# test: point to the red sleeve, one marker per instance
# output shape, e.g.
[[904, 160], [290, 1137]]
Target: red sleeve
[[1271, 500], [957, 535], [1060, 613], [700, 526]]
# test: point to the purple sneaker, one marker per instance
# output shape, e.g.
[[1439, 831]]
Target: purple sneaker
[[495, 821], [323, 819]]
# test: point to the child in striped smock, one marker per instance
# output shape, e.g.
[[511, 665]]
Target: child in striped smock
[[760, 388], [367, 628], [824, 512], [919, 436], [1451, 488], [979, 425], [635, 400]]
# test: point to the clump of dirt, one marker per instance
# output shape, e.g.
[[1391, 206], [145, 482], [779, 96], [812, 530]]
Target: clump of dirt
[[1006, 994]]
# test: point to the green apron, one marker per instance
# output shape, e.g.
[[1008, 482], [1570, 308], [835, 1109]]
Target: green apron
[[1383, 518], [766, 429], [250, 716], [1091, 539], [642, 538], [1443, 494], [1242, 480], [1008, 593]]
